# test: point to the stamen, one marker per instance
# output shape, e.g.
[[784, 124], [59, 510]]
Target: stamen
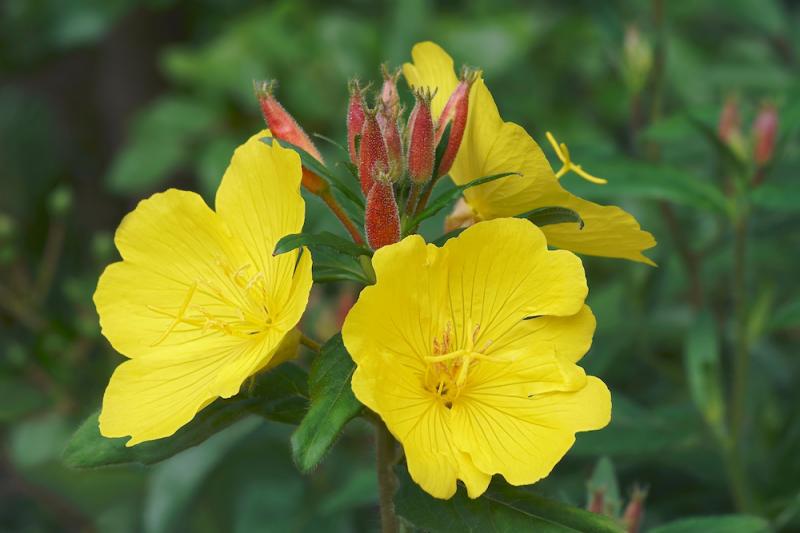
[[179, 316], [562, 152]]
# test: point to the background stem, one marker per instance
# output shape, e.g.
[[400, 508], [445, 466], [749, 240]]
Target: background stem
[[337, 210], [387, 482]]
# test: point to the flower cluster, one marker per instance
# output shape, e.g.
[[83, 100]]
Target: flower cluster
[[466, 351]]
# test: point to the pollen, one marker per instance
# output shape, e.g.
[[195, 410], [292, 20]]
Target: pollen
[[448, 367], [234, 304], [568, 165]]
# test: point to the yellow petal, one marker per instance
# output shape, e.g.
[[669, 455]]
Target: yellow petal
[[259, 200], [432, 68], [152, 397], [523, 438]]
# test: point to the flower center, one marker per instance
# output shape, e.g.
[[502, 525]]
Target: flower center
[[235, 304], [448, 368]]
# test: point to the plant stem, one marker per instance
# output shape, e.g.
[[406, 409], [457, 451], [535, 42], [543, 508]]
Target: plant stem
[[741, 362], [309, 343], [337, 210], [387, 482]]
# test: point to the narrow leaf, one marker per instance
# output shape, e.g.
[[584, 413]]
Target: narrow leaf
[[501, 509], [441, 201], [440, 149], [544, 216], [716, 524], [280, 394], [703, 371], [322, 239], [332, 405]]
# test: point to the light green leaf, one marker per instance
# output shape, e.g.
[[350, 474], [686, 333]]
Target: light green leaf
[[716, 524], [501, 509], [280, 395], [332, 404], [703, 371]]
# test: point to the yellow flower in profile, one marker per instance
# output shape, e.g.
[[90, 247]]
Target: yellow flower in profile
[[199, 303], [491, 146], [468, 353]]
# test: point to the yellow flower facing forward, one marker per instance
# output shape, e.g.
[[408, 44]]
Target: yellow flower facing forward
[[468, 353], [198, 302], [491, 146]]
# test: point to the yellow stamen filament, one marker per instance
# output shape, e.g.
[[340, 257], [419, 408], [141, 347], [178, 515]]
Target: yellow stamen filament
[[562, 152]]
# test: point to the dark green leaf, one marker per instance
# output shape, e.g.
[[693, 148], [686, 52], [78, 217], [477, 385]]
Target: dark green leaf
[[332, 404], [703, 372], [447, 236], [787, 316], [501, 509], [322, 239], [545, 216], [311, 163], [280, 394], [440, 148], [777, 197], [26, 399], [441, 201], [330, 266], [716, 524]]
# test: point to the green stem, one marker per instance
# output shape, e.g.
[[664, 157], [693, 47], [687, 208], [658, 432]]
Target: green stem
[[387, 482], [309, 343]]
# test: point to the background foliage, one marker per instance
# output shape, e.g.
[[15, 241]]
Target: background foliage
[[103, 103]]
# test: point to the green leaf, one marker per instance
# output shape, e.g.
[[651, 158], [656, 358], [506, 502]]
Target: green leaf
[[27, 399], [500, 509], [787, 316], [777, 197], [544, 216], [160, 142], [440, 148], [280, 394], [322, 239], [441, 201], [332, 404], [703, 371], [311, 163], [716, 524], [332, 267]]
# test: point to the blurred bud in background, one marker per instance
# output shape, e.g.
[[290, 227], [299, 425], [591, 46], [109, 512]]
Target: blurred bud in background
[[634, 512], [637, 59], [765, 128], [729, 127]]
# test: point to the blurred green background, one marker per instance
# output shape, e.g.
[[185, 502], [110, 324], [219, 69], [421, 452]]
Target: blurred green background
[[104, 103]]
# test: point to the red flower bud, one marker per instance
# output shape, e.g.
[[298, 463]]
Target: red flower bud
[[389, 95], [597, 501], [391, 136], [421, 150], [355, 118], [765, 129], [634, 512], [729, 121], [381, 217], [372, 156], [455, 115], [285, 128]]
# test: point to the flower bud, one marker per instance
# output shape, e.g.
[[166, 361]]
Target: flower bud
[[729, 121], [391, 136], [597, 501], [634, 512], [454, 115], [637, 59], [285, 128], [381, 217], [372, 156], [389, 95], [421, 150], [355, 118], [462, 216], [765, 129]]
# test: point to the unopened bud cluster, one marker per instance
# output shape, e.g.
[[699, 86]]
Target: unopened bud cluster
[[390, 154]]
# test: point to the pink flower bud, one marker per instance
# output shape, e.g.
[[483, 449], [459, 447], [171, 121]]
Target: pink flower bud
[[389, 95], [634, 512], [597, 501], [765, 129], [455, 115], [285, 128], [729, 121], [391, 136], [355, 118], [381, 218], [421, 150], [372, 155]]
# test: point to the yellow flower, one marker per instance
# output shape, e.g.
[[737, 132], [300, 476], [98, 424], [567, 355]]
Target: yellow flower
[[198, 302], [468, 352], [491, 146]]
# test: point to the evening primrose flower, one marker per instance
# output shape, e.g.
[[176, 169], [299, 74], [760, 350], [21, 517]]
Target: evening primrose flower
[[199, 303], [491, 146], [468, 353]]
